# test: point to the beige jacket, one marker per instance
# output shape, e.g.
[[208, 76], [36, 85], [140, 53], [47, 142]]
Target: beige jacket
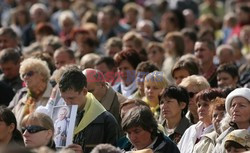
[[206, 144], [18, 109]]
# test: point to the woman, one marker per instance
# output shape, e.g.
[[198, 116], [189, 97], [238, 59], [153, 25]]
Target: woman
[[156, 53], [35, 74], [238, 107], [142, 133], [208, 142], [127, 61], [9, 135], [196, 132], [38, 131], [174, 105], [154, 84]]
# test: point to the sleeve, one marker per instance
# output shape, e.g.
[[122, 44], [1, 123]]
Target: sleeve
[[111, 130]]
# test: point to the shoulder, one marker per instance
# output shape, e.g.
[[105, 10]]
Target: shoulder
[[165, 145]]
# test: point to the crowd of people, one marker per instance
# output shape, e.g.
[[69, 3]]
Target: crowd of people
[[149, 76]]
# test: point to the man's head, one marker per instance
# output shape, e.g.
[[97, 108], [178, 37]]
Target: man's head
[[10, 63], [62, 113], [227, 75], [73, 86], [225, 54], [204, 50], [96, 82], [63, 56], [8, 38]]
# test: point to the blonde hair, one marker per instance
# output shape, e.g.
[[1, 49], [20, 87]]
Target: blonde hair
[[39, 118], [36, 65], [197, 82], [157, 78], [135, 37]]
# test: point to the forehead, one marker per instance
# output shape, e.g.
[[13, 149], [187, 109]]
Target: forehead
[[201, 45], [70, 93], [239, 99]]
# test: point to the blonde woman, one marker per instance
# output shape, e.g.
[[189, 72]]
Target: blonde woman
[[35, 75], [38, 131]]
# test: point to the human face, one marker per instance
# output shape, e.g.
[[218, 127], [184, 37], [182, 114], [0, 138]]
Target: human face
[[180, 74], [240, 109], [103, 68], [37, 139], [127, 72], [171, 109], [72, 97], [189, 45], [155, 55], [10, 69], [203, 53], [139, 137], [169, 45], [32, 79], [62, 59], [224, 80], [5, 131], [152, 91], [7, 42], [140, 81], [217, 116], [62, 114], [235, 150], [203, 112], [111, 51]]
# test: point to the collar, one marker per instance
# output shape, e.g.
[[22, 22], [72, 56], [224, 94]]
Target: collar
[[107, 100], [128, 90]]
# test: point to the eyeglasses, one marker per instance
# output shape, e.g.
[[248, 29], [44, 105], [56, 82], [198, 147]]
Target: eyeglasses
[[33, 129], [191, 94], [28, 74]]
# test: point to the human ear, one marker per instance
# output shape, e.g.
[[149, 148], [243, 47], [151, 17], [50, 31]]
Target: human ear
[[182, 105], [11, 127]]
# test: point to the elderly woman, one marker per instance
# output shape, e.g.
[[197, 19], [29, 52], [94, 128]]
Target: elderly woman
[[174, 106], [9, 135], [127, 61], [238, 107], [196, 132], [142, 132], [35, 74], [38, 131]]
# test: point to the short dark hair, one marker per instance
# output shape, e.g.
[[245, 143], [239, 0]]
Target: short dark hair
[[146, 67], [66, 50], [72, 78], [109, 61], [231, 69], [178, 93], [8, 32], [129, 55], [9, 54], [191, 66], [209, 94], [140, 116], [190, 33], [210, 43]]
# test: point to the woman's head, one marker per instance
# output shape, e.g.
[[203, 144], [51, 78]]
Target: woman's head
[[155, 52], [154, 83], [140, 125], [174, 44], [34, 71], [174, 101], [8, 129], [238, 106], [217, 110], [38, 130], [203, 100]]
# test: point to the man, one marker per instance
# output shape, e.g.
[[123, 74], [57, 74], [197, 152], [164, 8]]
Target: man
[[204, 50], [103, 92], [8, 39], [107, 66], [225, 54], [9, 65], [63, 56], [94, 125]]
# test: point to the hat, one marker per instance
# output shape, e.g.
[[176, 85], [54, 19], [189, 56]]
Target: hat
[[241, 136], [241, 92]]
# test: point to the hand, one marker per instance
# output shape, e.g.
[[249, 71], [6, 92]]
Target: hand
[[76, 147], [54, 92]]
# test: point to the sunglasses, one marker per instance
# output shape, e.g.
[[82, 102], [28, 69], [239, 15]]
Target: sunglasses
[[191, 94], [33, 129], [28, 74]]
